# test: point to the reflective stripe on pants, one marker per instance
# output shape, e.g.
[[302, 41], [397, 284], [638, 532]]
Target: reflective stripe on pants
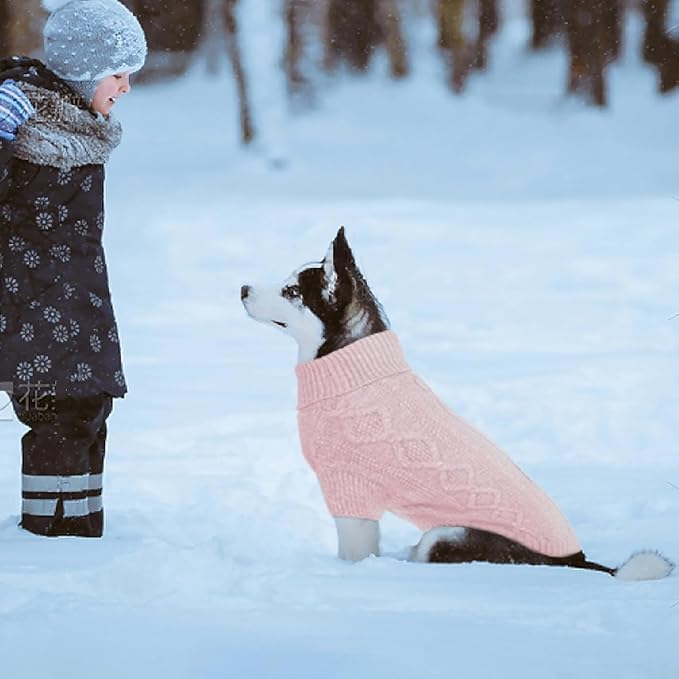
[[31, 483], [72, 508]]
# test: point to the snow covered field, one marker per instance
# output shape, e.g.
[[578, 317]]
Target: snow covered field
[[526, 250]]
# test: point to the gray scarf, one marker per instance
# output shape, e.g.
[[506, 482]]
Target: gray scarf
[[64, 135]]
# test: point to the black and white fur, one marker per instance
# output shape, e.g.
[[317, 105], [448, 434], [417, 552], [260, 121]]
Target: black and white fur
[[328, 305]]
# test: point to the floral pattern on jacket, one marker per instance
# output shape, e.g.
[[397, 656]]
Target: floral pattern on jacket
[[57, 325]]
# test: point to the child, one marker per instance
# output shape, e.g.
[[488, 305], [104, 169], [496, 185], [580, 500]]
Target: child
[[59, 352]]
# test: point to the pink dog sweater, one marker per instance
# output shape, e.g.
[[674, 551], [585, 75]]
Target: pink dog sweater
[[380, 440]]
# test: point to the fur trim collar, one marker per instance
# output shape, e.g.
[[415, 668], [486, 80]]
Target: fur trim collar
[[62, 134]]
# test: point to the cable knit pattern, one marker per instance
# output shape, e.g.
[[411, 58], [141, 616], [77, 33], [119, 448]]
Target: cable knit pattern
[[380, 440]]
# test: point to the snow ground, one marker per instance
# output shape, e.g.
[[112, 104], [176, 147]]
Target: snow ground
[[526, 250]]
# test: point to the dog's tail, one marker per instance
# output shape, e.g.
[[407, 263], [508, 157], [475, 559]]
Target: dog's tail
[[463, 545], [645, 565]]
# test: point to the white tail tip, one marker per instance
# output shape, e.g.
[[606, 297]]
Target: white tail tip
[[645, 566]]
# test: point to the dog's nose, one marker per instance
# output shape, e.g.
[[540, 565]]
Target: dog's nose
[[244, 291]]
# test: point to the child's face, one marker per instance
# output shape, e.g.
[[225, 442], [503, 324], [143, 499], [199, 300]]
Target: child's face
[[108, 91]]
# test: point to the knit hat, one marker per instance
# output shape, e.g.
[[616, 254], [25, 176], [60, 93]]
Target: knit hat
[[89, 40]]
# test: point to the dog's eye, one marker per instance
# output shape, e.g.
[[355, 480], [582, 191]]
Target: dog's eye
[[291, 291]]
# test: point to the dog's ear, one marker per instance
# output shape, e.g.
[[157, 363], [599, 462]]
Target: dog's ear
[[338, 268], [329, 272], [343, 257]]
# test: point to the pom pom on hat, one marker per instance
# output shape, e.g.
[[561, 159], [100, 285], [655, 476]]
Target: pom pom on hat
[[54, 5], [88, 40]]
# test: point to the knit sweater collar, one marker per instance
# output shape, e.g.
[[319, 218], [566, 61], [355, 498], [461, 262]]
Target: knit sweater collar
[[363, 362]]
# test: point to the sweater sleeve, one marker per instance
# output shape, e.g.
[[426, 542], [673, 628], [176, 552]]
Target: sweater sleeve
[[6, 153], [350, 495]]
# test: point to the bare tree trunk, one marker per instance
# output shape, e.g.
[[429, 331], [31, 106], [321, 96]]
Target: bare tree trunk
[[247, 129], [612, 20], [213, 34], [390, 22], [655, 13], [593, 41], [452, 41], [25, 21], [659, 47], [352, 33], [172, 33], [547, 22], [295, 15], [489, 20], [4, 30]]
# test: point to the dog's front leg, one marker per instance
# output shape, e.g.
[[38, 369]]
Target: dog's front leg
[[357, 539]]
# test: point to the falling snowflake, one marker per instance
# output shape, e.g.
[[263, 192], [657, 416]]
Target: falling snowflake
[[63, 213], [16, 244], [42, 363], [11, 284], [60, 333], [24, 371], [31, 259], [27, 332], [74, 327], [95, 343], [41, 202], [51, 315], [44, 221]]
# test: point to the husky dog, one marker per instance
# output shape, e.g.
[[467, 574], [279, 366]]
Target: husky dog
[[328, 307]]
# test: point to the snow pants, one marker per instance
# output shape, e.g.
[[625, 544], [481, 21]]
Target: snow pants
[[63, 464]]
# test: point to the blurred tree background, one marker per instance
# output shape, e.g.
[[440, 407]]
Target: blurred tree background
[[323, 37]]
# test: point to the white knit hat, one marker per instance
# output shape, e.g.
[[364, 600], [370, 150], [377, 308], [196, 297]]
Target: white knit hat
[[88, 40]]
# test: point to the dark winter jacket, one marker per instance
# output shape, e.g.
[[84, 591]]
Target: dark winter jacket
[[57, 325]]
